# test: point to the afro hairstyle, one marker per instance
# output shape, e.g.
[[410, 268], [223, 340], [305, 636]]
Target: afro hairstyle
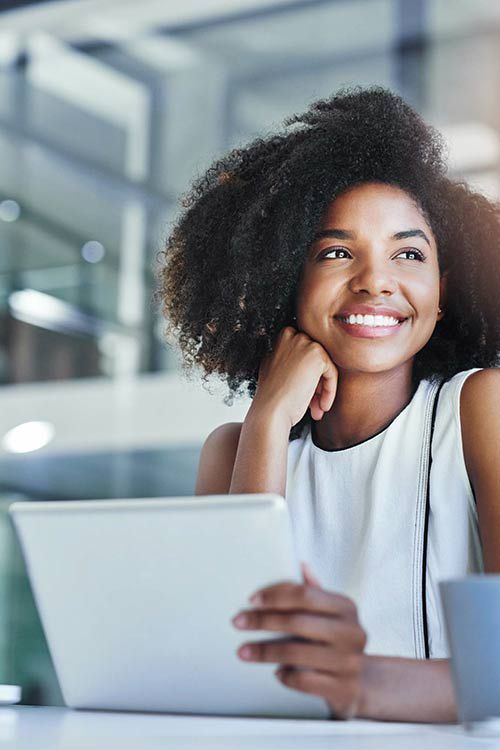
[[230, 270]]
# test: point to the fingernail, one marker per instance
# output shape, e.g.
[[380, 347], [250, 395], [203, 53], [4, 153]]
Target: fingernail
[[240, 621], [245, 652], [256, 600]]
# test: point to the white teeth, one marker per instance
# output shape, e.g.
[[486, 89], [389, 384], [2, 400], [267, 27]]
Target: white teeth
[[371, 320]]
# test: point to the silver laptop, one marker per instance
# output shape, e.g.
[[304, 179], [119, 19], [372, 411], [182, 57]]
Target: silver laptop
[[472, 615], [136, 599]]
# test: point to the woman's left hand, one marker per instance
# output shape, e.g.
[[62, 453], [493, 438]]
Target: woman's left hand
[[326, 656]]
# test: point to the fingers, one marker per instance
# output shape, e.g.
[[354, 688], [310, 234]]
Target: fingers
[[316, 411], [329, 381], [341, 695], [318, 401], [306, 680], [295, 653], [309, 576], [344, 635], [325, 393], [329, 390], [287, 595]]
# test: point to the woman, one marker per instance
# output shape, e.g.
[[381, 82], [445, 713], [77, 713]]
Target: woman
[[337, 271]]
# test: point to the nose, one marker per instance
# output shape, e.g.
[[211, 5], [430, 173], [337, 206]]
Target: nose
[[374, 276]]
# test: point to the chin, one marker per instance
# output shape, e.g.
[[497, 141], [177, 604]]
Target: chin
[[372, 366]]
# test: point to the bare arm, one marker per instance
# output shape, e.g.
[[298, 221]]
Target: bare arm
[[261, 460], [414, 690], [480, 422], [252, 457], [249, 457], [296, 376], [215, 467]]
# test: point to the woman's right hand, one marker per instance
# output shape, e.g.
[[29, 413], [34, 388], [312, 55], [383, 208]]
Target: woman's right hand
[[298, 374]]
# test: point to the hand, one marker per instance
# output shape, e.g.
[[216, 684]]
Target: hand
[[297, 374], [326, 656]]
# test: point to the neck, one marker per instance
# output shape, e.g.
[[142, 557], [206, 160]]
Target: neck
[[364, 405]]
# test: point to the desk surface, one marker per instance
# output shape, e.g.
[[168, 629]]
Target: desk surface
[[25, 728]]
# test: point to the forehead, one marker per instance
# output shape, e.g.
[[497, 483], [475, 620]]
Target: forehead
[[374, 205]]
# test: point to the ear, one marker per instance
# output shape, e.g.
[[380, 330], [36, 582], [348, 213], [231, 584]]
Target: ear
[[443, 284]]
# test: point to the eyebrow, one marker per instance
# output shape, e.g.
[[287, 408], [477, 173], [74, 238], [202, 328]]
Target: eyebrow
[[343, 234]]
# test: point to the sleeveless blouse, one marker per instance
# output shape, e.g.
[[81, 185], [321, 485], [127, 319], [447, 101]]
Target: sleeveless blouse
[[358, 519]]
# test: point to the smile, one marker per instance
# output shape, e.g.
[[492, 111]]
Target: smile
[[370, 326]]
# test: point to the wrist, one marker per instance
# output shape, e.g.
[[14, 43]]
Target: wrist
[[261, 458], [269, 416], [363, 705]]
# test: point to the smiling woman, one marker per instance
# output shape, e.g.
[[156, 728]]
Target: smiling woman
[[378, 272], [260, 207], [352, 286]]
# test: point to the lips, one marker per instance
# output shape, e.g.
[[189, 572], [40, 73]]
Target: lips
[[372, 310], [370, 332]]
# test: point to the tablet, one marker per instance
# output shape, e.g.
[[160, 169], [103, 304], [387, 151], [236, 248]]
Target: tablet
[[136, 599]]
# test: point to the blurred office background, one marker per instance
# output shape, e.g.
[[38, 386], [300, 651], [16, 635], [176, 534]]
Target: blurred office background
[[108, 108]]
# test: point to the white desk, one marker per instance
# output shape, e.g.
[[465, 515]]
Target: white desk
[[25, 728]]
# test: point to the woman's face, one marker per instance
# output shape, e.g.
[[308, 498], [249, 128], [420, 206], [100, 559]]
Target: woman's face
[[374, 254]]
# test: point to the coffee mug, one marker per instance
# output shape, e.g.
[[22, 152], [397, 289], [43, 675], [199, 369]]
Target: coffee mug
[[471, 607]]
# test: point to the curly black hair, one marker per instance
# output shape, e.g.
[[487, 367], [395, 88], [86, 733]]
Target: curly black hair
[[230, 270]]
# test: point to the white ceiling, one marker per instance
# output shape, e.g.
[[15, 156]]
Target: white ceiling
[[70, 19]]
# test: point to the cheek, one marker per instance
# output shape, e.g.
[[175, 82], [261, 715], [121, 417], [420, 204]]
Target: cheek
[[315, 294], [427, 299]]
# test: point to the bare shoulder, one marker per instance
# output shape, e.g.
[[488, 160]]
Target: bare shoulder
[[480, 413], [217, 459], [488, 377], [225, 436], [480, 398], [480, 423]]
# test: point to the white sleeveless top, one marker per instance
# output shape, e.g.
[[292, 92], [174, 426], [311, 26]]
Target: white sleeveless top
[[358, 519]]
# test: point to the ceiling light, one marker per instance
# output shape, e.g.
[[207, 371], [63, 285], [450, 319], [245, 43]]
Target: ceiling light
[[27, 437], [40, 309], [92, 251], [9, 210]]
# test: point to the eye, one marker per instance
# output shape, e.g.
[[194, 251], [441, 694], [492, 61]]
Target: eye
[[335, 250], [413, 251]]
